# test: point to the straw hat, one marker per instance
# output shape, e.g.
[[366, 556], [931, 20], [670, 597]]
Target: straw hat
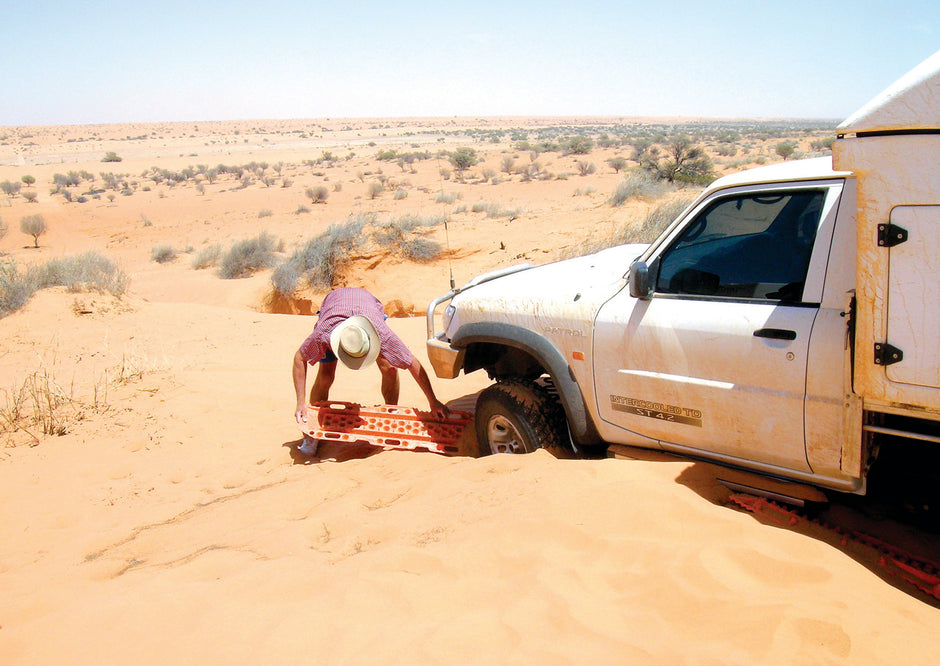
[[355, 342]]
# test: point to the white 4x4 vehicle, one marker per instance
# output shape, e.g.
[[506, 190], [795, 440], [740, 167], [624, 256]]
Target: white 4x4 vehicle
[[787, 322]]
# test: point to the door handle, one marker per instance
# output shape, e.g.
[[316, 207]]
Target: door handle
[[775, 333]]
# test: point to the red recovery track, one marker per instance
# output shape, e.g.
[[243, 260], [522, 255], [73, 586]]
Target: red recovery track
[[385, 425], [896, 562]]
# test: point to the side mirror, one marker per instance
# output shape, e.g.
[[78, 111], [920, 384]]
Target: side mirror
[[639, 277]]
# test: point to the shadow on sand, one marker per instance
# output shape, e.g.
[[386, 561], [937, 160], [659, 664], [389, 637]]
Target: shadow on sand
[[866, 528]]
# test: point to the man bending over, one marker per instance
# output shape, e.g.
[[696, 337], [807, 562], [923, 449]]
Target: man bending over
[[352, 329]]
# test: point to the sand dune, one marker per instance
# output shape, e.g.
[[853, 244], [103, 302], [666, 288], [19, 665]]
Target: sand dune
[[173, 522]]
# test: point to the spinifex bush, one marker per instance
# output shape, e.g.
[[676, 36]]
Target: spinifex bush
[[85, 272], [207, 257], [248, 256], [88, 271], [403, 236], [637, 185], [633, 232], [163, 254], [318, 262]]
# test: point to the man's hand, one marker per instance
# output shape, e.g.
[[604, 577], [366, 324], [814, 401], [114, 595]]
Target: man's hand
[[301, 414], [439, 409]]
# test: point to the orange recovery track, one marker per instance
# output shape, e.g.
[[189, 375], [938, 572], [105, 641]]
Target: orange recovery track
[[389, 426]]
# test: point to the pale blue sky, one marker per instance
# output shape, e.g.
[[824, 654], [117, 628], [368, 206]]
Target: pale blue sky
[[75, 62]]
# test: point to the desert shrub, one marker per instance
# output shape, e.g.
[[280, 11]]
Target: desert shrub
[[618, 164], [317, 194], [375, 189], [248, 256], [586, 168], [420, 249], [637, 185], [447, 197], [403, 236], [28, 180], [111, 156], [207, 257], [301, 209], [683, 162], [785, 149], [9, 188], [653, 224], [337, 186], [84, 272], [463, 158], [88, 271], [822, 144], [645, 231], [493, 209], [578, 145], [163, 254], [507, 164], [265, 212], [3, 228], [33, 225], [400, 193], [319, 261], [16, 287], [488, 174]]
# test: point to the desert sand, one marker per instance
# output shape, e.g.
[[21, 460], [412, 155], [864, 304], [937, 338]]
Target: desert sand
[[172, 521]]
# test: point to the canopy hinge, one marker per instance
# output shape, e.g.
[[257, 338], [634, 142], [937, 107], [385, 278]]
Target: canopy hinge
[[890, 235], [886, 354]]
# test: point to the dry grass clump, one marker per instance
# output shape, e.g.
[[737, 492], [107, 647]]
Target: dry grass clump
[[89, 271], [638, 185], [404, 237], [494, 210], [163, 254], [207, 257], [39, 404], [317, 263], [322, 259], [633, 232], [248, 256]]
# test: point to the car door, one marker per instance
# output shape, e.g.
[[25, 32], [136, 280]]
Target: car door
[[715, 360]]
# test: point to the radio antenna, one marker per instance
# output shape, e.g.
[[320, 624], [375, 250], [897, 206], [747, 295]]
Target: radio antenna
[[450, 264]]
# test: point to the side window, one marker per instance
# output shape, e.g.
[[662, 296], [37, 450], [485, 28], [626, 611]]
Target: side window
[[754, 245]]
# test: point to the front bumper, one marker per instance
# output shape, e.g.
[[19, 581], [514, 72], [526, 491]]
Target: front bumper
[[445, 359]]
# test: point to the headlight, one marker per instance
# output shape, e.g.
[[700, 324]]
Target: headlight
[[449, 313]]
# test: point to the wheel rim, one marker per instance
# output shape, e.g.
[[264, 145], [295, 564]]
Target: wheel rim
[[503, 437]]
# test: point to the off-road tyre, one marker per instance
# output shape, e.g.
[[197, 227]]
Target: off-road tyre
[[520, 417]]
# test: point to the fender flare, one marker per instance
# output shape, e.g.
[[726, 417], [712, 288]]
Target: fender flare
[[540, 348]]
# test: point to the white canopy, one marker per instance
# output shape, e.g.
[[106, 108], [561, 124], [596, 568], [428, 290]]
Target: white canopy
[[910, 103]]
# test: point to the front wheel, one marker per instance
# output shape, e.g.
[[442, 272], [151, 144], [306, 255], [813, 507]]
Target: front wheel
[[518, 417]]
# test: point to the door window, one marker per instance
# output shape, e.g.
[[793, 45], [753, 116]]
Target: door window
[[751, 246]]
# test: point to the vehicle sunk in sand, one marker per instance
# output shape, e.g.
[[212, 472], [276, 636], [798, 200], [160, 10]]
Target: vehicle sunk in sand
[[786, 323]]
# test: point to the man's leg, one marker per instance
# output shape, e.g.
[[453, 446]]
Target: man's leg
[[390, 384], [320, 391]]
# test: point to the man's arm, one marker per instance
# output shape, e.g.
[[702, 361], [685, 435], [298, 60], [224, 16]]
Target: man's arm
[[299, 372], [424, 382]]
